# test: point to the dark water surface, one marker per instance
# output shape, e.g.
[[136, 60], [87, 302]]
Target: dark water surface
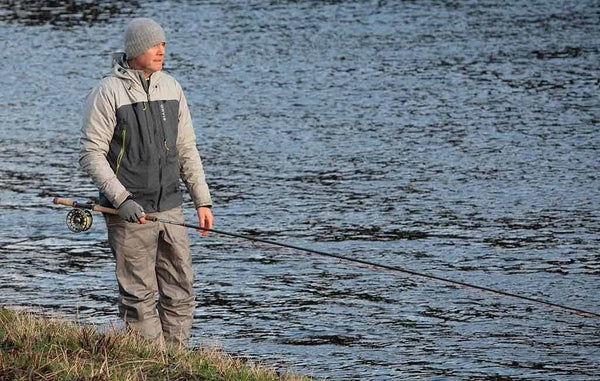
[[455, 138]]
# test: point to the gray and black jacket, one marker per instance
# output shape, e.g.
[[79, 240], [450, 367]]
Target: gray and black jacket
[[138, 140]]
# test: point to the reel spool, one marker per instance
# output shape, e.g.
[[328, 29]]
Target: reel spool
[[79, 220]]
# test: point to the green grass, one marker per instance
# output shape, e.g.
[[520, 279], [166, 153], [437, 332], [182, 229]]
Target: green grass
[[41, 348]]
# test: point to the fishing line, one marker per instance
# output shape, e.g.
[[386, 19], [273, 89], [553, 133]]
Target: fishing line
[[102, 209]]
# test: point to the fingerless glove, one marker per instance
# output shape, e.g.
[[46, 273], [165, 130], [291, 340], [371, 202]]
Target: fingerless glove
[[130, 211]]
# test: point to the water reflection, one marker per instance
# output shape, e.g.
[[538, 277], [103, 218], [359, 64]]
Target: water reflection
[[64, 13], [457, 139]]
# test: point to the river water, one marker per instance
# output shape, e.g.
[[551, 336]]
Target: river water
[[454, 138]]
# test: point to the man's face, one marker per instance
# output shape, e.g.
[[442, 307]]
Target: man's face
[[151, 60]]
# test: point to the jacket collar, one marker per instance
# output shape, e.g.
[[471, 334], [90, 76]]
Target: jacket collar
[[122, 70]]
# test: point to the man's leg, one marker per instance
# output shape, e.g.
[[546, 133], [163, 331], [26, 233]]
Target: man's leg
[[175, 279], [134, 247]]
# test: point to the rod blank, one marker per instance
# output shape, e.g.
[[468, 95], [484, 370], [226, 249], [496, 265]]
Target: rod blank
[[572, 310]]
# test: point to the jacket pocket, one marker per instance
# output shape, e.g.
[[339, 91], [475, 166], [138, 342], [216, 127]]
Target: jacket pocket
[[122, 150]]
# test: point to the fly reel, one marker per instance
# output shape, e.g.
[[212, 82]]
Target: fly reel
[[79, 220]]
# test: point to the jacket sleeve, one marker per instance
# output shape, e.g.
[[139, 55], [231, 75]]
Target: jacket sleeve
[[190, 164], [98, 126]]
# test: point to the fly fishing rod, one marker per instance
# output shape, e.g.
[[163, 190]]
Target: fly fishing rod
[[80, 219]]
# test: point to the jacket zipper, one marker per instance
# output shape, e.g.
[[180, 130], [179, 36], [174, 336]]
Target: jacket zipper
[[146, 107], [160, 161]]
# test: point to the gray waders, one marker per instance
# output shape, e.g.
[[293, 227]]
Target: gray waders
[[154, 272]]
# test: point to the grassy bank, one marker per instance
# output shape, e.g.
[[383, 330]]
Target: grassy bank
[[40, 348]]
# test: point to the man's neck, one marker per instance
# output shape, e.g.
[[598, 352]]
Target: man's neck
[[132, 65]]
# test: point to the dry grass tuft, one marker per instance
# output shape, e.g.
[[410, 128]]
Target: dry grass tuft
[[40, 348]]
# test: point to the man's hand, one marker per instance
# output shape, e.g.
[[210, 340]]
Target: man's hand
[[131, 211], [205, 219]]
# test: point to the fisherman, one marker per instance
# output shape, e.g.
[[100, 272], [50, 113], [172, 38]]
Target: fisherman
[[137, 142]]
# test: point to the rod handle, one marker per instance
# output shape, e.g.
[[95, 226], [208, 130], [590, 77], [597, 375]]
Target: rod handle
[[75, 204], [63, 201], [94, 207]]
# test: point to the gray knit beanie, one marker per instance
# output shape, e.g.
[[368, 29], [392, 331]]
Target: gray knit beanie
[[142, 34]]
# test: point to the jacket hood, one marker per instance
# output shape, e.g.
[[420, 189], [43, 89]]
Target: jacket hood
[[118, 58], [119, 65]]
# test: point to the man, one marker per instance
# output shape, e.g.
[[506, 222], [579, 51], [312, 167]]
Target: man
[[137, 142]]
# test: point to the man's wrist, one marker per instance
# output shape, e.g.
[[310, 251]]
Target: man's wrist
[[130, 197]]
